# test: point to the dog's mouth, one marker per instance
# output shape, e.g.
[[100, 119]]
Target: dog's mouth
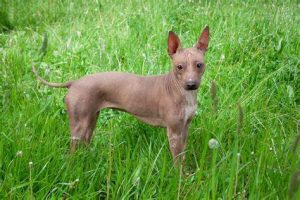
[[191, 87]]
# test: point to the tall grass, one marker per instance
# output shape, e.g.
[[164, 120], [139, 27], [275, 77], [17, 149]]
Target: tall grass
[[253, 59]]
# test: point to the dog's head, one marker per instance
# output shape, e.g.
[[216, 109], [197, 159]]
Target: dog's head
[[188, 63]]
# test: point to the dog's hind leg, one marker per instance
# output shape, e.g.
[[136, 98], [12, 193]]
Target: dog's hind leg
[[77, 127], [90, 124], [76, 130], [83, 118]]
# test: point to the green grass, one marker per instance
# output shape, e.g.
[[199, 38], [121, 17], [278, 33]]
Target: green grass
[[253, 57]]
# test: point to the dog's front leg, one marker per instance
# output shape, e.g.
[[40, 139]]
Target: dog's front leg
[[184, 139], [175, 137]]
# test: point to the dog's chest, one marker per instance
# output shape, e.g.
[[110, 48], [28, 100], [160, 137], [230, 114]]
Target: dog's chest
[[190, 105]]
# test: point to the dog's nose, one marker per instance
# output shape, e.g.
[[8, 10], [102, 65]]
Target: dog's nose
[[191, 85]]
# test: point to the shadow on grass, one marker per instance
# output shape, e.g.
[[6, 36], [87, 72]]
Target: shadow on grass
[[5, 24]]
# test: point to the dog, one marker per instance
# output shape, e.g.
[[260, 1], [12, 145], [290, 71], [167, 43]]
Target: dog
[[168, 101]]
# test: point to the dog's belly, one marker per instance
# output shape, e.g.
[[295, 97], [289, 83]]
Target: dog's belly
[[148, 119], [151, 121]]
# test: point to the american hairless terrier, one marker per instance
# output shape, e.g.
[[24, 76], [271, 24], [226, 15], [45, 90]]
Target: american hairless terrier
[[168, 100]]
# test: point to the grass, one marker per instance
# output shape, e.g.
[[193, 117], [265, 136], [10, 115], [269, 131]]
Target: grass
[[253, 59]]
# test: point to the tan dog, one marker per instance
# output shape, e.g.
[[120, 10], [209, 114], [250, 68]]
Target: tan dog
[[168, 100]]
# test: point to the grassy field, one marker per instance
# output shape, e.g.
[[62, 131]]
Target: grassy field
[[253, 58]]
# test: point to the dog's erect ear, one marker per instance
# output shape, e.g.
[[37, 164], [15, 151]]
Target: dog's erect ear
[[173, 43], [202, 43]]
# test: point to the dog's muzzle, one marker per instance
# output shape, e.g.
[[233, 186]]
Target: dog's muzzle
[[191, 85]]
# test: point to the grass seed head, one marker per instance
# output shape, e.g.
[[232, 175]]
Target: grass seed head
[[213, 93], [294, 184], [43, 50], [240, 118], [296, 143]]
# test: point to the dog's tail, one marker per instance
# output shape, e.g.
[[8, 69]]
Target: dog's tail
[[58, 85]]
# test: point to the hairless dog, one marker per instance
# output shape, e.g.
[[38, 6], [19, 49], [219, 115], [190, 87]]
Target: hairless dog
[[168, 101]]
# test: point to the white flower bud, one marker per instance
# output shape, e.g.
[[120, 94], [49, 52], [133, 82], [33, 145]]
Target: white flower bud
[[213, 143], [19, 153], [222, 56]]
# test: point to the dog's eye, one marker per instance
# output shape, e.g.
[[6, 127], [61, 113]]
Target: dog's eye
[[179, 67], [199, 65]]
